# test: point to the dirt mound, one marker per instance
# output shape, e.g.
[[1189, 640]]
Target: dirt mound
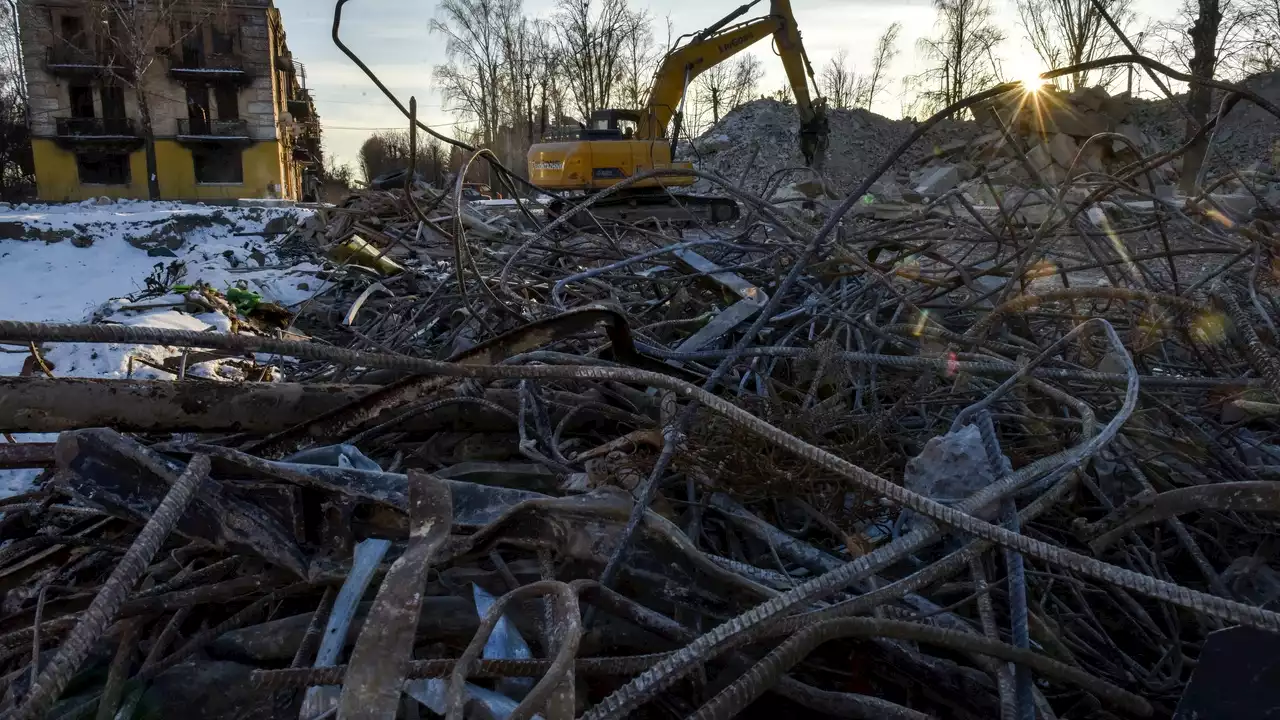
[[761, 138]]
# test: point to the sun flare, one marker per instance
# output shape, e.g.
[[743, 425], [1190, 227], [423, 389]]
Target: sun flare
[[1031, 81]]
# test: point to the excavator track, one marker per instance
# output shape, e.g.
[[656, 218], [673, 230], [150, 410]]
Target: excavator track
[[637, 207]]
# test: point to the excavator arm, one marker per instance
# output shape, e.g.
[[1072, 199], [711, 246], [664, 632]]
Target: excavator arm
[[717, 44]]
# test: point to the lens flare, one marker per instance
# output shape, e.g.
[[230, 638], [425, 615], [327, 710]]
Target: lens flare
[[1031, 81], [1209, 327], [920, 322]]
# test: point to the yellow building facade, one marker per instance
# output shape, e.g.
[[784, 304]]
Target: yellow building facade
[[228, 116]]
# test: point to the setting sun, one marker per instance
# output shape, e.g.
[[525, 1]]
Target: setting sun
[[1031, 81]]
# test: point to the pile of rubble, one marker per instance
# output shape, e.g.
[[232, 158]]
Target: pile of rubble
[[755, 145], [949, 460], [1032, 140], [1037, 145], [1247, 141]]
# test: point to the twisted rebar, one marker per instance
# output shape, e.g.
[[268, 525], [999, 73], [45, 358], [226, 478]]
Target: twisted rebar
[[55, 676]]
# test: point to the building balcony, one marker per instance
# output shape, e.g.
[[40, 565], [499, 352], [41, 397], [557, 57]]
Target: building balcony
[[213, 131], [100, 133], [208, 66], [96, 127], [300, 109], [71, 61]]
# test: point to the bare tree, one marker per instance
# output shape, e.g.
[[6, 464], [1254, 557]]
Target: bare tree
[[886, 50], [520, 55], [591, 44], [838, 81], [17, 167], [471, 81], [341, 174], [961, 57], [11, 69], [388, 151], [1204, 60], [547, 69], [383, 152], [1070, 32], [1263, 54], [747, 72], [1234, 33], [722, 88], [640, 55]]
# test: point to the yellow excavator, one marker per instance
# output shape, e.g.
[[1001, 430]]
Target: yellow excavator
[[616, 144]]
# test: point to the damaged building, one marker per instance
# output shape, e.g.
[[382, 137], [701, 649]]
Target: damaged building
[[202, 99]]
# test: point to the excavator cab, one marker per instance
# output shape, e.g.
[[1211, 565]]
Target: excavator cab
[[612, 125]]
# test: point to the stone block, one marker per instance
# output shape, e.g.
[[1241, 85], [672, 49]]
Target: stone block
[[1093, 98], [950, 148], [1050, 117], [950, 468], [1091, 159], [1063, 149], [1136, 136], [987, 115], [1040, 156], [258, 107], [1054, 175], [1117, 108], [939, 181], [810, 188]]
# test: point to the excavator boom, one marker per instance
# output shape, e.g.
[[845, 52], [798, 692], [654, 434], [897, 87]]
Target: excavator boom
[[618, 144], [715, 45]]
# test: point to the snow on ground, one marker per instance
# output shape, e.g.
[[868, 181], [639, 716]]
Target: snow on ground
[[81, 262]]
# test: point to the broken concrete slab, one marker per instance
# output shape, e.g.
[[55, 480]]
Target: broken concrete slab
[[1236, 204], [1063, 149], [939, 181], [1135, 135], [1091, 157], [1090, 97], [1040, 157]]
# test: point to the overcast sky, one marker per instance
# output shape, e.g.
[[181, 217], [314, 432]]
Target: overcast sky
[[392, 36]]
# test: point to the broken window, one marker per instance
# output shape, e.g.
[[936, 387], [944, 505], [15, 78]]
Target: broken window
[[228, 100], [223, 42], [103, 168], [112, 102], [192, 39], [222, 165], [71, 31], [198, 108], [81, 101]]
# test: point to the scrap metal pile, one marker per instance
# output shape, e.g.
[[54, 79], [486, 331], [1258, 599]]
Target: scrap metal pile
[[952, 463]]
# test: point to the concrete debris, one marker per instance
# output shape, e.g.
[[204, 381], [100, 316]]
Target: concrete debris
[[758, 139], [1247, 140], [940, 180]]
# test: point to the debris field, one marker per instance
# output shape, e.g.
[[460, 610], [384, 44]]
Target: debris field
[[980, 426]]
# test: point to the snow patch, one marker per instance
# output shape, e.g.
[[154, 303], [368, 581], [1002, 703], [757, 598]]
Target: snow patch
[[77, 263]]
